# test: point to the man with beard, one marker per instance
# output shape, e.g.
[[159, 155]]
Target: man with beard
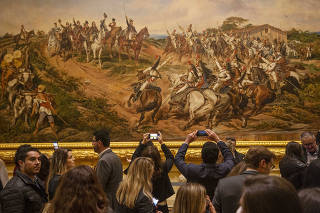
[[24, 193]]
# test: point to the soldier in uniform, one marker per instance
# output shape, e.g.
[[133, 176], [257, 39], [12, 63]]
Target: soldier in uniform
[[42, 104], [173, 36], [194, 78], [146, 79], [223, 77], [93, 31], [131, 31], [113, 23]]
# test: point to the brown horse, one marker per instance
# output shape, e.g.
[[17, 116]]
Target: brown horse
[[150, 100], [260, 96], [111, 38], [135, 45]]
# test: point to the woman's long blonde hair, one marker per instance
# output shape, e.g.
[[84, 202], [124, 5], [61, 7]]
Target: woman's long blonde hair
[[190, 198], [138, 178]]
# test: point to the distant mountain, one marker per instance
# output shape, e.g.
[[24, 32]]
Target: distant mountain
[[318, 33], [158, 36]]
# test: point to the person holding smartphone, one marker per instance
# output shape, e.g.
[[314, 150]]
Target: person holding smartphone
[[209, 172], [162, 188]]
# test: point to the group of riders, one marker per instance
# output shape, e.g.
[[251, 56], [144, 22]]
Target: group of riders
[[225, 63], [78, 37]]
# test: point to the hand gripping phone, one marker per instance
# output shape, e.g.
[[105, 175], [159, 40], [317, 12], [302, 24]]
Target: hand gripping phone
[[202, 133], [153, 136]]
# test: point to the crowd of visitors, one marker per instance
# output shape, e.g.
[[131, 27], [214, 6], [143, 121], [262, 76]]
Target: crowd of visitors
[[226, 181]]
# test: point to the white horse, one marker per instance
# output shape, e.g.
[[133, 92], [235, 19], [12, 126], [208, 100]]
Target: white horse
[[53, 43], [97, 46], [206, 104]]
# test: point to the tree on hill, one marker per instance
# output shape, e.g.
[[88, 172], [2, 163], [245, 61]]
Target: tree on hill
[[303, 36], [233, 22]]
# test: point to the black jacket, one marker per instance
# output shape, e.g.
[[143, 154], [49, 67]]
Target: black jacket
[[53, 185], [293, 170], [228, 192], [162, 188], [23, 195], [206, 174], [238, 157], [142, 205]]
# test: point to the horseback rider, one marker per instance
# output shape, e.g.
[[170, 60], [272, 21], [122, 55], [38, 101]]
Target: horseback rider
[[269, 68], [93, 31], [146, 78], [173, 37], [131, 31], [113, 23], [223, 77], [194, 79], [56, 30]]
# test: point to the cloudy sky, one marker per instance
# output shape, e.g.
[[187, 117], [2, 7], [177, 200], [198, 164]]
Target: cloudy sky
[[159, 15]]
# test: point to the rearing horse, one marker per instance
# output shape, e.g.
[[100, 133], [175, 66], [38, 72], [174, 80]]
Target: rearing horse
[[135, 45]]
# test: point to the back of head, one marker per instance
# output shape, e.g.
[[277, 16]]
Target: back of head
[[269, 194], [45, 168], [210, 152], [256, 154], [152, 152], [238, 169], [310, 200], [79, 191], [312, 175], [294, 150], [58, 162], [103, 136], [190, 198], [138, 178]]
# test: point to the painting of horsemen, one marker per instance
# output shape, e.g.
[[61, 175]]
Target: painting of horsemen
[[240, 67]]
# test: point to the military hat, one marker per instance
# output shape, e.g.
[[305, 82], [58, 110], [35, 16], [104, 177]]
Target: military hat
[[41, 88], [8, 58]]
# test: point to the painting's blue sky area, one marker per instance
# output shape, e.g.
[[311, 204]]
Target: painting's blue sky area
[[159, 15]]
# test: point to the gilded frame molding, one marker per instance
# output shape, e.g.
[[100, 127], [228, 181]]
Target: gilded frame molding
[[84, 153]]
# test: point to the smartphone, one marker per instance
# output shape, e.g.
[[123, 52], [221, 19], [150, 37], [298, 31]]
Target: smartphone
[[55, 145], [155, 201], [202, 133], [153, 136]]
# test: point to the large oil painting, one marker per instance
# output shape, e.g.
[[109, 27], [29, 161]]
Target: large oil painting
[[248, 69]]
